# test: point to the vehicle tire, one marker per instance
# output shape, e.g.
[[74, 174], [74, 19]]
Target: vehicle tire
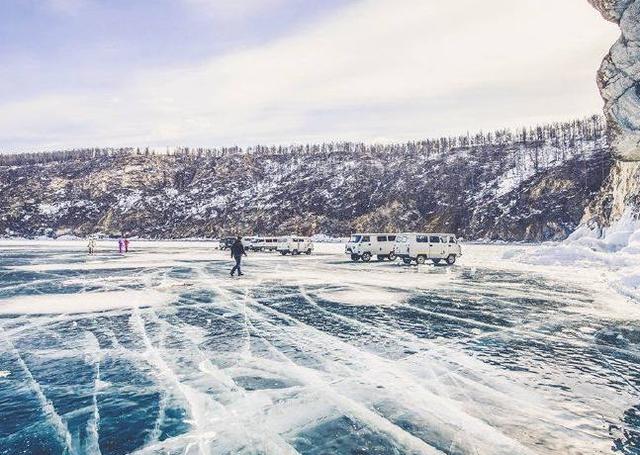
[[308, 252], [451, 259], [355, 257], [406, 260], [366, 257], [421, 259], [284, 253], [436, 261], [392, 256], [295, 252]]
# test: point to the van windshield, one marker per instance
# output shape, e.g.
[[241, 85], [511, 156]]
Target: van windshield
[[355, 238]]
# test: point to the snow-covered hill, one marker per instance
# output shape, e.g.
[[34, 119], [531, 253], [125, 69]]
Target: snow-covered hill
[[531, 185]]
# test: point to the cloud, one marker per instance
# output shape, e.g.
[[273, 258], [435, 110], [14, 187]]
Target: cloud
[[377, 68]]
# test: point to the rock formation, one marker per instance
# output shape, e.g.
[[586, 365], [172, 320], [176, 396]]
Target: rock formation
[[619, 78], [619, 82]]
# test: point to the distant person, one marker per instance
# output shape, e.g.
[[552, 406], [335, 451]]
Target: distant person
[[126, 245], [91, 246], [120, 245], [237, 251]]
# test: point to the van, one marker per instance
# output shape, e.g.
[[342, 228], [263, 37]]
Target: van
[[294, 245], [420, 247], [270, 244], [246, 242], [363, 246], [263, 244]]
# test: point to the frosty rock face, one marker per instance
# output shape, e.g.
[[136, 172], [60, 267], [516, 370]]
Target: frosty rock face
[[619, 78]]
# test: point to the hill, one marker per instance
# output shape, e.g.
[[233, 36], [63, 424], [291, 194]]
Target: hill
[[528, 185]]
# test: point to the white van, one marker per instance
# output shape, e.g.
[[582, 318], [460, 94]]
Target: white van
[[419, 247], [263, 244], [246, 242], [364, 246], [294, 245]]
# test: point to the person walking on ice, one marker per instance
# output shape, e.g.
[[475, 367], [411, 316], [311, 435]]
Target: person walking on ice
[[91, 246], [237, 251]]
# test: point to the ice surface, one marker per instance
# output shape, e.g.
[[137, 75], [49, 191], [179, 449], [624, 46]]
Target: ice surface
[[160, 352]]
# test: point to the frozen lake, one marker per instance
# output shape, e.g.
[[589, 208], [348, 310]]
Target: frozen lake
[[160, 352]]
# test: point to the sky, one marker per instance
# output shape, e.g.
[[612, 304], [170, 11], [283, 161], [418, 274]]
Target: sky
[[208, 73]]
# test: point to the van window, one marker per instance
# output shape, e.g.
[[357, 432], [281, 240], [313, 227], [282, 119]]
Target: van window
[[355, 238], [434, 239], [382, 238], [392, 238], [402, 239], [366, 238], [422, 238]]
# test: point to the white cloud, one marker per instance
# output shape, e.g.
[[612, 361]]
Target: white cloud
[[380, 68]]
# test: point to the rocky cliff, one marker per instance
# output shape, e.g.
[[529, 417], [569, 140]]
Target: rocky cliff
[[619, 78], [529, 186], [619, 82]]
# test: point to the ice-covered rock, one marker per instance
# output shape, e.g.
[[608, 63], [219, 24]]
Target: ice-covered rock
[[619, 78], [618, 202], [620, 194]]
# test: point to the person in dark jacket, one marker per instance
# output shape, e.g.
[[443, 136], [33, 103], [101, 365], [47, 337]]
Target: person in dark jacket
[[237, 251]]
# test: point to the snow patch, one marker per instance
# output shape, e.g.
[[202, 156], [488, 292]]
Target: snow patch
[[360, 296], [49, 209], [126, 203], [88, 302], [64, 206], [101, 385]]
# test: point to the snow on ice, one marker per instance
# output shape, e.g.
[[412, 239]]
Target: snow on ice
[[81, 302]]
